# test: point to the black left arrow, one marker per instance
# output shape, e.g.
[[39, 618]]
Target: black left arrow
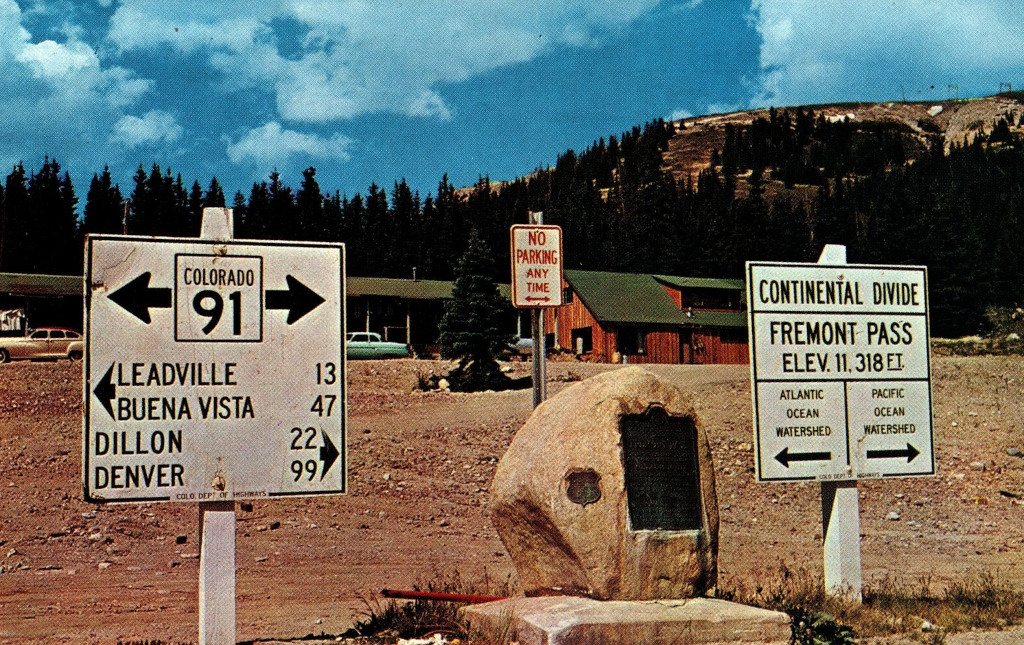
[[137, 297], [328, 454], [785, 456], [106, 391], [910, 452], [298, 299]]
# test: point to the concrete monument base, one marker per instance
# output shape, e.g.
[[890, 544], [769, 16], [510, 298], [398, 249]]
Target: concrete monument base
[[570, 620]]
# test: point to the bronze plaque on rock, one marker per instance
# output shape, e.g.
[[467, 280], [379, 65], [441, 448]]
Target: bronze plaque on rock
[[662, 471]]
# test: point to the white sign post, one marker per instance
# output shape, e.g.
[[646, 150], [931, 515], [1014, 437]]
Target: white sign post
[[214, 372], [537, 284], [840, 384]]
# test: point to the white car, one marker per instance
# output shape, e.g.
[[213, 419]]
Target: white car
[[42, 343], [365, 344]]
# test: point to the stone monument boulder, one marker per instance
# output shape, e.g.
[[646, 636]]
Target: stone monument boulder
[[608, 492]]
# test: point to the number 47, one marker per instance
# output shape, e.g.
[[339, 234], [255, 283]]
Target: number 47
[[319, 404]]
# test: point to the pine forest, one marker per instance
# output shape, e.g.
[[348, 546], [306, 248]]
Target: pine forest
[[778, 187]]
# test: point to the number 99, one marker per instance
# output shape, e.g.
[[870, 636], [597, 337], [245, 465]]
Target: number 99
[[299, 467]]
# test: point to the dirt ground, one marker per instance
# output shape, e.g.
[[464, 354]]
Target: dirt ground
[[420, 466]]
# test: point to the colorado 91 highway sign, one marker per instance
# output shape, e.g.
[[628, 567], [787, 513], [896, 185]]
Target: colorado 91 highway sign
[[214, 371], [839, 359]]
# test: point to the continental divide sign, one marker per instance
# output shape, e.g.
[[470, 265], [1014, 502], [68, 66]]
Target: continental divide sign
[[840, 371]]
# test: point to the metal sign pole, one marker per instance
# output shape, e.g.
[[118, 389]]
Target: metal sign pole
[[217, 519], [840, 510], [540, 390]]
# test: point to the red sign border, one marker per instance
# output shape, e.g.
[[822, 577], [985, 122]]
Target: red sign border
[[512, 260]]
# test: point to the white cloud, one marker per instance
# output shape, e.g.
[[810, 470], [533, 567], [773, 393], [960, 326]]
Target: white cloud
[[270, 144], [12, 35], [49, 59], [722, 108], [428, 104], [53, 94], [680, 114], [339, 59], [153, 127], [826, 50]]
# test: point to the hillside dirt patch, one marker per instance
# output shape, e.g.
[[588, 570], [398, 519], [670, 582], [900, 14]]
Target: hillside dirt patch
[[420, 467]]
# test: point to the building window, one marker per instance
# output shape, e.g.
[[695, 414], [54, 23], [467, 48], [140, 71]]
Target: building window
[[736, 335], [583, 340], [567, 295], [630, 341]]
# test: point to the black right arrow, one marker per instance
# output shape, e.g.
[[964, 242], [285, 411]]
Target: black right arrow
[[328, 454], [298, 299], [784, 457], [106, 391], [137, 297], [910, 452]]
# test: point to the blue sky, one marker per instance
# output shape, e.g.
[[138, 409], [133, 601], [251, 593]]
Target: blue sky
[[371, 91]]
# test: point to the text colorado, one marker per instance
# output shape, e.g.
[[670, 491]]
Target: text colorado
[[217, 277]]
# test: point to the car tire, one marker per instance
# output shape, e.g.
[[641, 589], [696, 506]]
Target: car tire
[[5, 356], [75, 356]]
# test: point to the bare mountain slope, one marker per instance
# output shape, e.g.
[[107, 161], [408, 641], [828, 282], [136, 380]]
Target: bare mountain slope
[[957, 121]]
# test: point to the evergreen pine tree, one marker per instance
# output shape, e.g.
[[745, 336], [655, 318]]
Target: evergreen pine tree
[[400, 231], [140, 205], [281, 215], [353, 225], [241, 214], [255, 222], [309, 204], [104, 206], [445, 219], [184, 222], [332, 217], [474, 322], [214, 196], [372, 231], [15, 251], [195, 207], [52, 223]]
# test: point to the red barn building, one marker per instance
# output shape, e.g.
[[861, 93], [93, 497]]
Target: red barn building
[[643, 318]]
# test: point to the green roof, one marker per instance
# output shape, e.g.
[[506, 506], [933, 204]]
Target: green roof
[[640, 299], [399, 288], [34, 284], [624, 297], [718, 319], [408, 289], [701, 283]]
